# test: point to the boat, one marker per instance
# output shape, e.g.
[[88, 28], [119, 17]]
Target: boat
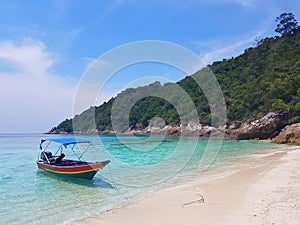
[[54, 161]]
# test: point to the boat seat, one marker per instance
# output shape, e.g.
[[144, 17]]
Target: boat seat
[[47, 157], [66, 162], [59, 159]]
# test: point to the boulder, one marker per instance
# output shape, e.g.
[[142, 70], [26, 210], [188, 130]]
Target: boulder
[[198, 130], [173, 131], [157, 130], [267, 127], [102, 132], [289, 135], [207, 131], [191, 129]]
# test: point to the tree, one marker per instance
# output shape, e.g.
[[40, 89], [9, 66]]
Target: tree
[[287, 24]]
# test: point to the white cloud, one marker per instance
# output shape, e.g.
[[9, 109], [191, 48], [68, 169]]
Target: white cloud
[[224, 49], [69, 38], [29, 57], [244, 3], [32, 99], [113, 5]]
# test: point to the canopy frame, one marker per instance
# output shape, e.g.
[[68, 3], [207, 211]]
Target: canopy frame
[[64, 143]]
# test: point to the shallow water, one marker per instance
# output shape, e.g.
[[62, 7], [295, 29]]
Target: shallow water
[[138, 165]]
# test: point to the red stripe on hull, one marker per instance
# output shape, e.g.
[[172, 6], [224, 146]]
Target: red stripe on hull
[[74, 169]]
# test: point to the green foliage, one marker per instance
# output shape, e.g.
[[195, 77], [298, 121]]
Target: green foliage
[[264, 78], [66, 126], [279, 104], [287, 24]]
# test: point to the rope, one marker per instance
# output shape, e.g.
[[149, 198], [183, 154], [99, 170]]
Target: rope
[[111, 177], [113, 182]]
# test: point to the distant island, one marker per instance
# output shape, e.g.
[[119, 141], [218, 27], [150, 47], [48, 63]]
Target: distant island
[[260, 87]]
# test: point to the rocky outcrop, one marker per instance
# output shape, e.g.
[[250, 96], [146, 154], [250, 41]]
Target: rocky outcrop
[[200, 130], [289, 135], [267, 127], [57, 132], [166, 130], [173, 131], [192, 129]]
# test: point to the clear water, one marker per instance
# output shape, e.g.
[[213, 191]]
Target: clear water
[[138, 165]]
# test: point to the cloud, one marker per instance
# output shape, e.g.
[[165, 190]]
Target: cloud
[[32, 99], [28, 57], [113, 5], [225, 49], [244, 3], [68, 39]]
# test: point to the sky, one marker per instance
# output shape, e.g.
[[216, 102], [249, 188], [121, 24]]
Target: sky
[[46, 46]]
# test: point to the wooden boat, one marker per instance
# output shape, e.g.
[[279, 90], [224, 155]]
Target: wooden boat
[[56, 163]]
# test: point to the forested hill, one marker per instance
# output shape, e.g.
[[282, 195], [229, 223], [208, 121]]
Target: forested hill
[[263, 79]]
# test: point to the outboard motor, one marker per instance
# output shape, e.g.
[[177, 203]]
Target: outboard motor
[[46, 156]]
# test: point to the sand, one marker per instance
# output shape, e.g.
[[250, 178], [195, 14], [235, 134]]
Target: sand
[[262, 190]]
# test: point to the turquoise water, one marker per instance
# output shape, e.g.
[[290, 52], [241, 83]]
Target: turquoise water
[[138, 165]]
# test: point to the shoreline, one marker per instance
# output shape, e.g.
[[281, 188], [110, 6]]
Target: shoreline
[[263, 190]]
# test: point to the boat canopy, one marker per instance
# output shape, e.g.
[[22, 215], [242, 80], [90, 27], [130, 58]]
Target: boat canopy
[[65, 141]]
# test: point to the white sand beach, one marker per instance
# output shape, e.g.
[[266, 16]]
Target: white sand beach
[[264, 190]]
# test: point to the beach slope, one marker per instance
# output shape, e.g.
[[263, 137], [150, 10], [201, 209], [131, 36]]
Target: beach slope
[[263, 190]]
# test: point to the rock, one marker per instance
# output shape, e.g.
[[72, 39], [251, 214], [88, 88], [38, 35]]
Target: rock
[[157, 130], [267, 127], [173, 131], [106, 132], [91, 131], [57, 132], [233, 126], [192, 129], [289, 135], [207, 130], [137, 132]]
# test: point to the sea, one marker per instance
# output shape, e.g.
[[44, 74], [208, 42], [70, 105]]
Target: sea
[[140, 165]]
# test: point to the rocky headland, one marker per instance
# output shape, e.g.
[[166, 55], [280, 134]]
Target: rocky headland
[[268, 126], [272, 126]]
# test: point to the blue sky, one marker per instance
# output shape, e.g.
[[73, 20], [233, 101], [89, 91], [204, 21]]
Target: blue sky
[[45, 46]]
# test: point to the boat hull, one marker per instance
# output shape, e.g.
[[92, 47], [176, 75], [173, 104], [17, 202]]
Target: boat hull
[[83, 170]]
